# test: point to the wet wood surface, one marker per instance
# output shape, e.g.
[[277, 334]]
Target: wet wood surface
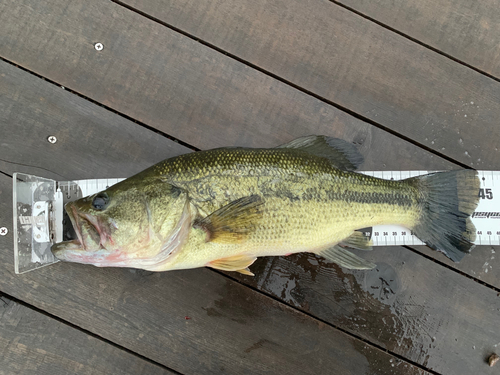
[[413, 313], [196, 321], [213, 91]]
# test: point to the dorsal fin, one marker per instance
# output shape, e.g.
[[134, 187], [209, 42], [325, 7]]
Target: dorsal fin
[[342, 154]]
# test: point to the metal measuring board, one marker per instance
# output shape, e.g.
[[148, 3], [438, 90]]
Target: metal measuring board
[[40, 219]]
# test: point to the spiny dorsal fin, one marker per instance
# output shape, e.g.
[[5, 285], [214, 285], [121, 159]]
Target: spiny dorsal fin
[[238, 263], [233, 222], [342, 154], [358, 241], [346, 259]]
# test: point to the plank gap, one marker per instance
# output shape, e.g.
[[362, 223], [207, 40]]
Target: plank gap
[[176, 140], [11, 298], [5, 174], [293, 85], [460, 272], [419, 42], [349, 333]]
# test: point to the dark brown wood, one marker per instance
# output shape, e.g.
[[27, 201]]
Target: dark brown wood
[[226, 103], [408, 304], [171, 82], [357, 64], [466, 30], [87, 143], [317, 301], [80, 144], [248, 98], [194, 321], [33, 343]]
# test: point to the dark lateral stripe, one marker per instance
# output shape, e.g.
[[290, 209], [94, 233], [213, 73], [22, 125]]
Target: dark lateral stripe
[[351, 196]]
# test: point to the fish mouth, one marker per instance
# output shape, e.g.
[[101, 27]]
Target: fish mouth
[[87, 228], [88, 248]]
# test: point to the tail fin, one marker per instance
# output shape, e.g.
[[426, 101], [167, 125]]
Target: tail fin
[[447, 201]]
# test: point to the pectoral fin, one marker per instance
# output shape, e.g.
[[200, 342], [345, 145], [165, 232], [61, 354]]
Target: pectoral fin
[[238, 263], [233, 222], [346, 259], [358, 241]]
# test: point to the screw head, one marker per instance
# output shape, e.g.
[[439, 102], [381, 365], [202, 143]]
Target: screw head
[[52, 139], [3, 231], [98, 46]]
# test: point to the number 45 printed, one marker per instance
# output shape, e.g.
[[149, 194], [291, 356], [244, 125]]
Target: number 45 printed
[[485, 194]]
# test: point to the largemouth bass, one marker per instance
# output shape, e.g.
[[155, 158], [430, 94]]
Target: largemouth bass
[[225, 207]]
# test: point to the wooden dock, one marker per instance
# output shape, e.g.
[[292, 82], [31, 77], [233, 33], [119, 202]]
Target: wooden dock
[[125, 84]]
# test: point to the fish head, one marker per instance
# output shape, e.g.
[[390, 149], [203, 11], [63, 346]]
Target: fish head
[[136, 223]]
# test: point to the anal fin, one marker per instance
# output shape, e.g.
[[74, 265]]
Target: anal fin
[[357, 241], [238, 263], [346, 259]]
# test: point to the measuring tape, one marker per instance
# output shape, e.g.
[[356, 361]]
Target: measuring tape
[[486, 217], [39, 214]]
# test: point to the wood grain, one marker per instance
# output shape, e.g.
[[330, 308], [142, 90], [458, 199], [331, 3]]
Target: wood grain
[[407, 304], [191, 321], [217, 101], [171, 82], [33, 343], [39, 109], [466, 30], [32, 109], [453, 314], [359, 65]]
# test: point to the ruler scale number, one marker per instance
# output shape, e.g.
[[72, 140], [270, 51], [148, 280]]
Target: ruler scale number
[[486, 218]]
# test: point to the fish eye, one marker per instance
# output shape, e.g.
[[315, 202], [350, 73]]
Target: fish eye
[[100, 201]]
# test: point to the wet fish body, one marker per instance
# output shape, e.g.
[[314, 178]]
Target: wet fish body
[[223, 208]]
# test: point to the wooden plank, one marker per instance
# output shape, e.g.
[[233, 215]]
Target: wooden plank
[[82, 130], [191, 321], [239, 106], [466, 30], [33, 343], [349, 60], [408, 304], [381, 150], [414, 155], [173, 83]]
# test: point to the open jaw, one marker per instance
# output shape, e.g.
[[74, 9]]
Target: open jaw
[[94, 245], [88, 248]]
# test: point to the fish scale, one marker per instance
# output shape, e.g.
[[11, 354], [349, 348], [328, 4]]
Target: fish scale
[[309, 207]]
